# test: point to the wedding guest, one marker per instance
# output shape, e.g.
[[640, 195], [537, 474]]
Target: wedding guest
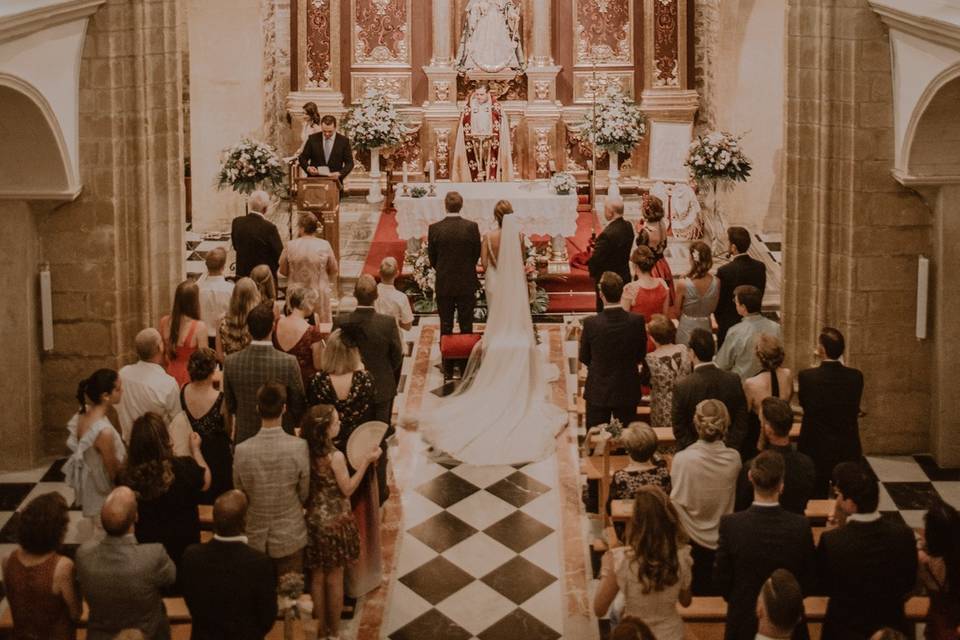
[[739, 350], [654, 234], [309, 262], [246, 371], [296, 336], [40, 583], [146, 384], [697, 293], [645, 296], [121, 580], [327, 149], [311, 124], [613, 247], [644, 468], [230, 588], [779, 606], [204, 410], [233, 334], [939, 568], [333, 540], [830, 396], [704, 382], [453, 247], [267, 288], [774, 380], [667, 362], [742, 269], [97, 452], [390, 301], [215, 293], [168, 487], [612, 346], [273, 469], [704, 479], [652, 570], [183, 332], [256, 239]]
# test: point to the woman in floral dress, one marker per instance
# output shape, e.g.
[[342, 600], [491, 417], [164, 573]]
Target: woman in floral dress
[[667, 363]]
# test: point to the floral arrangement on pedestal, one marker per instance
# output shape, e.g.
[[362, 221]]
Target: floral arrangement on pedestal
[[290, 602], [616, 126], [714, 159], [250, 165], [374, 123], [563, 183]]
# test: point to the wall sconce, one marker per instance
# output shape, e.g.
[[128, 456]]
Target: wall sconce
[[46, 306], [923, 294]]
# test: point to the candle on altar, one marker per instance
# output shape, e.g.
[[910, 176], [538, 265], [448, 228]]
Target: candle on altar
[[433, 177], [404, 173]]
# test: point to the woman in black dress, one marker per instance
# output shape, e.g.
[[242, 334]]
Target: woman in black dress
[[202, 404]]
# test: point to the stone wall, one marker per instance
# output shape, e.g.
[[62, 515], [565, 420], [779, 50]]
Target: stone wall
[[852, 233]]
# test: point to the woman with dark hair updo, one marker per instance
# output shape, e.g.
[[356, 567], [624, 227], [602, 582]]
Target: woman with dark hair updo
[[311, 124], [654, 234], [490, 247], [41, 583], [293, 333], [646, 295], [309, 262], [653, 568], [168, 488], [774, 380], [204, 410], [97, 449], [697, 294], [939, 567], [667, 362], [183, 331]]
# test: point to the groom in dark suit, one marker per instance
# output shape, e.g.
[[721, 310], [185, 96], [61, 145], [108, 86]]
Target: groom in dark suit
[[613, 247], [453, 246], [327, 149], [742, 269]]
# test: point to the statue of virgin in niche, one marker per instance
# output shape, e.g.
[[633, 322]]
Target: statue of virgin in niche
[[491, 38]]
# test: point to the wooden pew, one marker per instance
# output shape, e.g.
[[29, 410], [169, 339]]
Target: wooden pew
[[818, 511], [714, 609]]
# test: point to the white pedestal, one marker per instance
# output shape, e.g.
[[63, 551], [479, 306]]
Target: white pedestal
[[374, 196], [613, 175]]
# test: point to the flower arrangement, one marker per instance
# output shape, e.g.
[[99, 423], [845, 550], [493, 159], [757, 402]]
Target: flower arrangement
[[619, 122], [251, 165], [289, 590], [718, 156], [563, 183], [418, 192], [374, 123]]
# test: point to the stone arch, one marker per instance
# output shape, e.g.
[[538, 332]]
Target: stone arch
[[36, 162], [932, 138]]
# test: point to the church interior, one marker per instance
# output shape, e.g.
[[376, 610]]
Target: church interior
[[122, 123]]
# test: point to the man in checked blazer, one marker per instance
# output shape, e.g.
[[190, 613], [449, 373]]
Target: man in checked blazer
[[247, 370], [273, 469]]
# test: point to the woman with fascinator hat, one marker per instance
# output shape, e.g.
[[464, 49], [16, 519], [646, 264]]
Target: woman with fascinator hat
[[697, 294]]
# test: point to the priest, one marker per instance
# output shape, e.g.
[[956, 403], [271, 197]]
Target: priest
[[482, 150]]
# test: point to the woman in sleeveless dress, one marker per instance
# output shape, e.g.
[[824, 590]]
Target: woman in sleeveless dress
[[667, 362], [308, 261], [203, 407], [646, 295], [773, 381], [500, 413], [697, 294], [294, 335], [40, 583], [233, 334], [654, 234], [183, 331]]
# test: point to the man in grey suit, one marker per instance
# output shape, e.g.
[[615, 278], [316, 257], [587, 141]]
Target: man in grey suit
[[122, 580], [273, 469], [382, 353], [247, 370]]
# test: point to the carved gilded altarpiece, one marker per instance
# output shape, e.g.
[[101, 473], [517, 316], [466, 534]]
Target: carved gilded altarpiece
[[381, 33], [666, 45], [603, 33], [319, 18]]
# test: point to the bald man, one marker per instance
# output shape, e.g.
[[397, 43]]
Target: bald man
[[146, 384], [230, 588], [391, 302], [121, 580]]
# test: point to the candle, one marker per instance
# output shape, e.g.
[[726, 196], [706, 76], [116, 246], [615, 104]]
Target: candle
[[433, 177], [404, 173]]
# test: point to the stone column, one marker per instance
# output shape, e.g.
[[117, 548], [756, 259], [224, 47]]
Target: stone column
[[945, 414], [443, 26], [441, 115], [541, 54]]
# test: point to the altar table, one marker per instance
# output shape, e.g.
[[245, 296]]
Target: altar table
[[536, 205]]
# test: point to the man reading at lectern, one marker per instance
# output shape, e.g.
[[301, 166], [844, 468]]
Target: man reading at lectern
[[327, 149]]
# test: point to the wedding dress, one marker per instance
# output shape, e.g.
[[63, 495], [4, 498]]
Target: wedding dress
[[500, 413]]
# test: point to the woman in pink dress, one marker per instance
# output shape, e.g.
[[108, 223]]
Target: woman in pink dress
[[308, 261], [183, 332], [647, 295]]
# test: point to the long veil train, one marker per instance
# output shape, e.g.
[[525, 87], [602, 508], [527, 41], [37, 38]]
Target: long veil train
[[500, 413]]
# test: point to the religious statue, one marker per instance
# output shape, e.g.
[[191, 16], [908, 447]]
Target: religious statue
[[491, 37], [482, 150]]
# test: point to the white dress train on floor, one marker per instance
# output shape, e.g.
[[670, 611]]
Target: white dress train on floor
[[500, 413]]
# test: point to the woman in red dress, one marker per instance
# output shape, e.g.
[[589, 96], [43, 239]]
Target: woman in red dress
[[654, 234], [183, 332], [647, 295]]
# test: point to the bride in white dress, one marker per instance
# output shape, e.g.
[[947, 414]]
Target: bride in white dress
[[500, 413]]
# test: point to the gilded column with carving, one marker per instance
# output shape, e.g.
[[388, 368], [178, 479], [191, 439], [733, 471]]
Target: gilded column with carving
[[318, 57], [441, 114]]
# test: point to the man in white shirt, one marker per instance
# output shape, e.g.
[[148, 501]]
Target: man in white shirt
[[146, 385], [739, 350], [779, 606], [390, 301], [215, 292]]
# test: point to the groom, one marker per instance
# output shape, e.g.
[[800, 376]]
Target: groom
[[453, 246]]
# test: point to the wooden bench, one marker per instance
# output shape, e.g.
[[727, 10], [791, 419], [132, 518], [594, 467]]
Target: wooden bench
[[177, 612], [714, 609], [818, 511]]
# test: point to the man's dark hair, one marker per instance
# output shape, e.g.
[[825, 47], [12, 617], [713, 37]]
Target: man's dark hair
[[701, 341], [750, 297], [832, 342], [740, 238], [453, 202], [778, 414], [365, 291], [270, 400], [766, 471], [611, 287], [260, 321], [328, 119], [857, 484], [43, 523], [782, 600]]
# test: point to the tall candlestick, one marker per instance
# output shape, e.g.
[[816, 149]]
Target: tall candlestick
[[404, 173], [433, 177]]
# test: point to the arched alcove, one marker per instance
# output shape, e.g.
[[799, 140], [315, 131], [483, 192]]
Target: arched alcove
[[933, 142]]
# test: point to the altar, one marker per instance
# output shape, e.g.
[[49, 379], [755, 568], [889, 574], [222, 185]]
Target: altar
[[540, 211]]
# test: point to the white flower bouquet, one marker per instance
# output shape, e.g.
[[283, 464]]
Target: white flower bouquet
[[251, 165], [619, 122], [374, 123], [424, 279], [718, 156], [563, 183]]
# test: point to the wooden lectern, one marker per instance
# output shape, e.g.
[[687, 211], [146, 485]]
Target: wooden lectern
[[321, 196]]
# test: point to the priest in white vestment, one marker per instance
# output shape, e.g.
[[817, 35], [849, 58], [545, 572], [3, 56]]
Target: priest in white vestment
[[482, 150]]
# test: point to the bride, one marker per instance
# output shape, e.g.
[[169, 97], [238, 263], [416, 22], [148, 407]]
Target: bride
[[500, 413]]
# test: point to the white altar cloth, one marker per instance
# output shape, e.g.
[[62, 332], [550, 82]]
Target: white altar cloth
[[537, 206]]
